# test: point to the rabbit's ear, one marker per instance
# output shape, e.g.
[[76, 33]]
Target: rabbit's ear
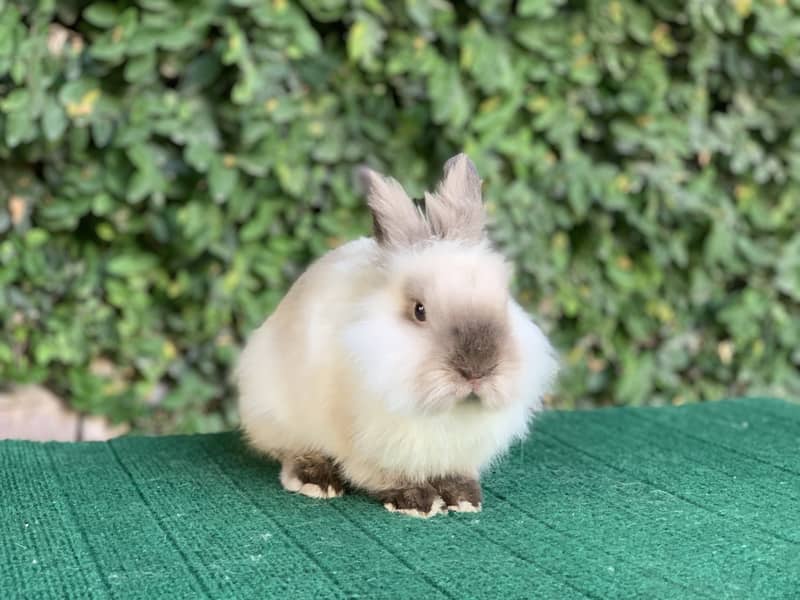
[[397, 221], [455, 211]]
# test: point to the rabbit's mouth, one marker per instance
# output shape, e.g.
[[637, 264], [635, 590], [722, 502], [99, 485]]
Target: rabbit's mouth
[[471, 398]]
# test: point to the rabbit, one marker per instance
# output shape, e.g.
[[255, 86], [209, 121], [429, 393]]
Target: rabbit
[[399, 364]]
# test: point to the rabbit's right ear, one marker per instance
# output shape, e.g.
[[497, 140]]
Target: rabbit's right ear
[[455, 211], [397, 221]]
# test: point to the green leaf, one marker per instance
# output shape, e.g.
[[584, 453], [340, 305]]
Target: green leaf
[[788, 272], [421, 12], [141, 68], [102, 14], [102, 130], [200, 156], [541, 9], [720, 244], [16, 101], [222, 180], [365, 39], [449, 98], [54, 121], [20, 127], [487, 59], [126, 265], [636, 381]]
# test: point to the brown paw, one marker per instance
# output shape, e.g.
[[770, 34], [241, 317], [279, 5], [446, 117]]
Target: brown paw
[[417, 501], [312, 475], [460, 494]]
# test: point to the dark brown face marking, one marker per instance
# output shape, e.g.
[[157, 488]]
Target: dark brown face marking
[[421, 497], [456, 488], [476, 348], [319, 470]]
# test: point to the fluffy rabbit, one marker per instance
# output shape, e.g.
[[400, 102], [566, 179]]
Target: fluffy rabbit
[[398, 364]]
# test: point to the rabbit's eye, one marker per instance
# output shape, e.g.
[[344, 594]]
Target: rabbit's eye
[[419, 312]]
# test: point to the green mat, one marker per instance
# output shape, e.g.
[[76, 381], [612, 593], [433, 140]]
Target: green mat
[[692, 502]]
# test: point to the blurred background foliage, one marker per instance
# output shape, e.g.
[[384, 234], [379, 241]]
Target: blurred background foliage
[[167, 168]]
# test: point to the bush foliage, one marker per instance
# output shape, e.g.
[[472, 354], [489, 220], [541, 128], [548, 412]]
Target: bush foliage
[[168, 168]]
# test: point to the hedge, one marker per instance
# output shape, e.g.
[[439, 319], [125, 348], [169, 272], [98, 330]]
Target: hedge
[[168, 168]]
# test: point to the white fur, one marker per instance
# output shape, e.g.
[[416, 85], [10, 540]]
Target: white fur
[[379, 351], [331, 371]]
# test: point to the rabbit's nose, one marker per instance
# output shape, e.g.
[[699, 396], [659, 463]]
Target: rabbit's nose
[[471, 374], [475, 348]]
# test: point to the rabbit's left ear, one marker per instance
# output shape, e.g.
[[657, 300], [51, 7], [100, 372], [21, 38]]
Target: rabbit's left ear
[[455, 210]]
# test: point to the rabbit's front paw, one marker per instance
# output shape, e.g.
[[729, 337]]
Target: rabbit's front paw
[[460, 494], [312, 475], [421, 501]]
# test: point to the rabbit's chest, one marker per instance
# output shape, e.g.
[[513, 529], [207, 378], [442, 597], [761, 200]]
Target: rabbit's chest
[[463, 441]]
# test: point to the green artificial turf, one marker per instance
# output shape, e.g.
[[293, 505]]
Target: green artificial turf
[[699, 501]]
